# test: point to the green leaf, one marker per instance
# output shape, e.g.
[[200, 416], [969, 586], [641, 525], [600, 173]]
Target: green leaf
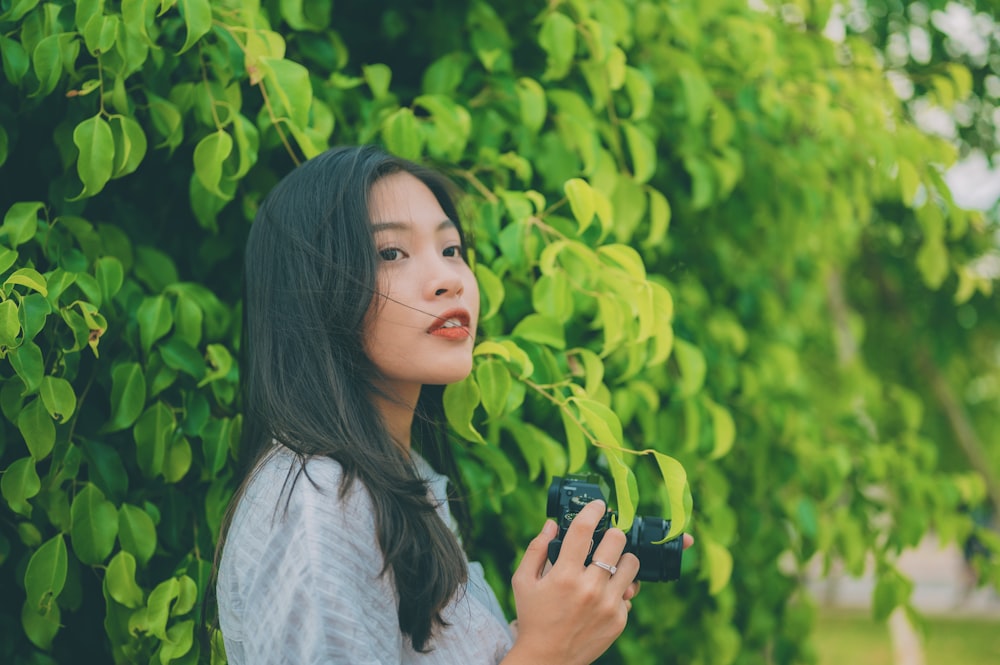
[[100, 33], [134, 18], [85, 10], [158, 606], [220, 363], [932, 261], [17, 9], [154, 268], [130, 145], [155, 319], [37, 428], [624, 257], [178, 354], [575, 440], [718, 563], [377, 77], [28, 277], [110, 276], [531, 98], [541, 329], [15, 61], [215, 438], [177, 462], [558, 38], [643, 152], [602, 422], [723, 428], [209, 156], [304, 15], [128, 395], [136, 532], [581, 201], [41, 628], [290, 89], [188, 319], [46, 574], [119, 581], [460, 402], [10, 325], [48, 64], [494, 383], [106, 469], [59, 398], [95, 141], [593, 371], [7, 258], [179, 640], [152, 432], [675, 479], [640, 93], [692, 365], [445, 74], [659, 218], [19, 483], [95, 525], [197, 18], [491, 291], [167, 120], [448, 131], [20, 222], [27, 362], [552, 295], [614, 318], [403, 134], [625, 489], [187, 596], [247, 143], [494, 459]]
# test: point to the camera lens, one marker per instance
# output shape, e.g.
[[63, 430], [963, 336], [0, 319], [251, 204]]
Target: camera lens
[[657, 563]]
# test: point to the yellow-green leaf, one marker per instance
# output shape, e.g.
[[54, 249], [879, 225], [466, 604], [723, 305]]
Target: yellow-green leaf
[[197, 19], [95, 141], [209, 156], [95, 525], [581, 201]]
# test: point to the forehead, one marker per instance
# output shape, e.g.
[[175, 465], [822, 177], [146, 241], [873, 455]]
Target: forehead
[[402, 197]]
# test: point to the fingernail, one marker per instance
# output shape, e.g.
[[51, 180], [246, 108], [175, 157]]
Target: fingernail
[[550, 529]]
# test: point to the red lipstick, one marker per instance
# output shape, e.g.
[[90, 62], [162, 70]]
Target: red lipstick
[[452, 324]]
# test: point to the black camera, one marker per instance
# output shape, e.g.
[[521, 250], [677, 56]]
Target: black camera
[[657, 562]]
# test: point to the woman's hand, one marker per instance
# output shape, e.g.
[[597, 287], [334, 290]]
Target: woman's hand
[[572, 613]]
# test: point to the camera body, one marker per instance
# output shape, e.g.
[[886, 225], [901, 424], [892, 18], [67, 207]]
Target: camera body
[[657, 563]]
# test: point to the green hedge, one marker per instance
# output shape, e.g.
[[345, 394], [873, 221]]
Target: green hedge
[[670, 202]]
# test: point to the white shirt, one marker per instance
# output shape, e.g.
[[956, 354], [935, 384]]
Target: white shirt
[[302, 586]]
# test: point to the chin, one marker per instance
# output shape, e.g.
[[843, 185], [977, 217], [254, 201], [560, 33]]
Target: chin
[[458, 374]]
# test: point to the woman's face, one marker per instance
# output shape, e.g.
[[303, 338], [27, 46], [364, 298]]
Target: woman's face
[[422, 325]]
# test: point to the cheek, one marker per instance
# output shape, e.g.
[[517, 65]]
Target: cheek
[[472, 293]]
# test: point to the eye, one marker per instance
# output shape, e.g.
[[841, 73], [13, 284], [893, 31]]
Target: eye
[[453, 251], [390, 254]]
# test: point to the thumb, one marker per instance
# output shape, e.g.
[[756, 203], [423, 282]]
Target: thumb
[[537, 551]]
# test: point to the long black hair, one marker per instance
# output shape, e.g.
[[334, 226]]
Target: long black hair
[[310, 278]]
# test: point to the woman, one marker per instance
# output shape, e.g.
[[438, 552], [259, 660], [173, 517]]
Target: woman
[[359, 306]]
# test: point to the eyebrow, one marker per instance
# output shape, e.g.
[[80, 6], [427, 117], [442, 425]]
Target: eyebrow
[[402, 226]]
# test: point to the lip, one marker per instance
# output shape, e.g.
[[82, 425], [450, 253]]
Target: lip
[[457, 314]]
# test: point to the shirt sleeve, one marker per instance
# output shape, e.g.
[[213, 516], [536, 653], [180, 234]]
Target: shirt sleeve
[[310, 582]]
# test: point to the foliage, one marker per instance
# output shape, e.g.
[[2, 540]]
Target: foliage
[[942, 53], [942, 57], [665, 196]]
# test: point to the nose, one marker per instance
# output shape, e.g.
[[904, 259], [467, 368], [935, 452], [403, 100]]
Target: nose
[[445, 280]]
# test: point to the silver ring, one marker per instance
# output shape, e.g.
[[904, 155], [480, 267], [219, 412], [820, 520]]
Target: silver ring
[[601, 564]]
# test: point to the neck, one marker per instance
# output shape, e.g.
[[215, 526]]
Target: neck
[[397, 413]]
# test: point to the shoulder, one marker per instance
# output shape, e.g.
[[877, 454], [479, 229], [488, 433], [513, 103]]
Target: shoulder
[[299, 488]]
